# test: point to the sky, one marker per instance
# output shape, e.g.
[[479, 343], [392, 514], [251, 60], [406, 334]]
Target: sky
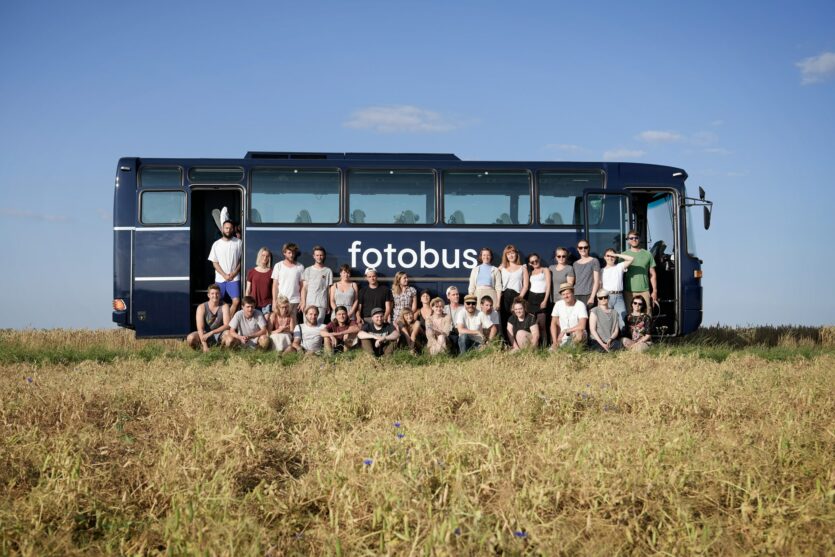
[[740, 94]]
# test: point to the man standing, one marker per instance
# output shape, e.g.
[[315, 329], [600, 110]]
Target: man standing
[[316, 280], [225, 256], [640, 275], [248, 328], [374, 296], [471, 324], [377, 337], [287, 277], [568, 319]]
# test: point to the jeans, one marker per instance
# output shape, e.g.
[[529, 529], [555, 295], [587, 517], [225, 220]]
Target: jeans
[[617, 303], [468, 342]]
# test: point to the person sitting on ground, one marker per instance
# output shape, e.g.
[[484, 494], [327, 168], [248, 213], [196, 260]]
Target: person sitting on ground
[[438, 327], [639, 325], [307, 336], [212, 321], [341, 333], [281, 324], [492, 317], [259, 282], [247, 328], [455, 309], [225, 256], [568, 320], [522, 329], [604, 325], [316, 280], [470, 325], [425, 309], [411, 331], [374, 296], [377, 337]]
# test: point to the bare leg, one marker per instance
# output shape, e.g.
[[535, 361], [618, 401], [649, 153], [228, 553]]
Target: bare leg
[[193, 340], [236, 302]]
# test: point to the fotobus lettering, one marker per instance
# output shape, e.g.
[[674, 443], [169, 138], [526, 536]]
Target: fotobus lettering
[[424, 257]]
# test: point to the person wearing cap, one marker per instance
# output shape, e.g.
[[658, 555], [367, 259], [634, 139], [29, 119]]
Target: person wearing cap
[[605, 324], [373, 296], [568, 319], [377, 337], [470, 325], [640, 275]]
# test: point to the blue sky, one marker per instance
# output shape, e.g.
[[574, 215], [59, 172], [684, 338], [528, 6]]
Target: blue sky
[[740, 94]]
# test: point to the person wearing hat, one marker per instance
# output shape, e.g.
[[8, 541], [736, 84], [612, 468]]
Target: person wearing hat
[[470, 324], [605, 324], [373, 296], [568, 319], [377, 337]]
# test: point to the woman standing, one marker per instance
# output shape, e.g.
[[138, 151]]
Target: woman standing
[[587, 275], [438, 327], [639, 324], [425, 311], [515, 282], [405, 296], [612, 278], [540, 281], [561, 273], [344, 292], [485, 279], [259, 282]]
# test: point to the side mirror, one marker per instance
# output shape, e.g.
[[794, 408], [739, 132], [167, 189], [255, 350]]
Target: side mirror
[[707, 218]]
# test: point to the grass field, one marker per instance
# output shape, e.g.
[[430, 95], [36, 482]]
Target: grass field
[[720, 444]]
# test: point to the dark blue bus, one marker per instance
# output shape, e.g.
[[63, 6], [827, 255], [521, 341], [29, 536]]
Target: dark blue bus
[[427, 214]]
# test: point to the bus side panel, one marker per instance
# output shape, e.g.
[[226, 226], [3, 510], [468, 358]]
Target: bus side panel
[[161, 283], [124, 211]]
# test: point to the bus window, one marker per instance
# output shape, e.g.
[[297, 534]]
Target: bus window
[[391, 197], [215, 175], [152, 177], [163, 207], [502, 198], [296, 196], [561, 196]]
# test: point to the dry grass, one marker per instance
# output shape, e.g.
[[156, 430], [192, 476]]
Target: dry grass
[[169, 452]]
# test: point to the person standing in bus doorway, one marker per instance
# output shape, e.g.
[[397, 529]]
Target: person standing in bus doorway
[[374, 296], [287, 277], [640, 275], [586, 275], [212, 321], [316, 280], [515, 282], [485, 279], [225, 256]]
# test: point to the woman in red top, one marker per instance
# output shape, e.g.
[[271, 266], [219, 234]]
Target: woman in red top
[[259, 282]]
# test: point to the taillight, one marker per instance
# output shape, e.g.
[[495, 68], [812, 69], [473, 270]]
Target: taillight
[[119, 305], [697, 274]]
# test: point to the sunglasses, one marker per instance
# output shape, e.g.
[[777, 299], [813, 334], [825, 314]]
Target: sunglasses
[[469, 303], [582, 247], [561, 257], [603, 297], [633, 237], [534, 261], [639, 304]]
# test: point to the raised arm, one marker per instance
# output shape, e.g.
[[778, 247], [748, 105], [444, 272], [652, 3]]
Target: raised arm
[[627, 259]]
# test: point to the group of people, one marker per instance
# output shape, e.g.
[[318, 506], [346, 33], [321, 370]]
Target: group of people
[[290, 308]]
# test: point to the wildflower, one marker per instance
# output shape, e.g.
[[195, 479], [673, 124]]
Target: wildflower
[[457, 531], [396, 424], [28, 379], [368, 461], [520, 534], [400, 435]]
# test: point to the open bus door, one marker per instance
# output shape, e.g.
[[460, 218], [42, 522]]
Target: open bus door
[[607, 218]]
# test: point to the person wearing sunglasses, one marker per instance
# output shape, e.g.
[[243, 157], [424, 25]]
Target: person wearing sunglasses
[[561, 273], [638, 325], [540, 287], [604, 325], [587, 275], [640, 276], [470, 324], [612, 278]]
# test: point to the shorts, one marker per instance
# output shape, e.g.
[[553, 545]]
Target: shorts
[[232, 288], [214, 340]]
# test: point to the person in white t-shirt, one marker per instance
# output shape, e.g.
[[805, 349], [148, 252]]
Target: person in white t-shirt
[[316, 280], [495, 320], [247, 328], [307, 336], [471, 324], [612, 278], [287, 277], [225, 256], [568, 319]]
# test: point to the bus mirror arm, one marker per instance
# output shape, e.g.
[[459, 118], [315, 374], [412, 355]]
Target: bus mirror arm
[[701, 201]]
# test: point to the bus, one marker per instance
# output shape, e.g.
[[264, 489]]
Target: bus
[[426, 214]]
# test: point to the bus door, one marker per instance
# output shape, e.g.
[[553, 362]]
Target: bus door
[[161, 259], [607, 219], [657, 214]]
